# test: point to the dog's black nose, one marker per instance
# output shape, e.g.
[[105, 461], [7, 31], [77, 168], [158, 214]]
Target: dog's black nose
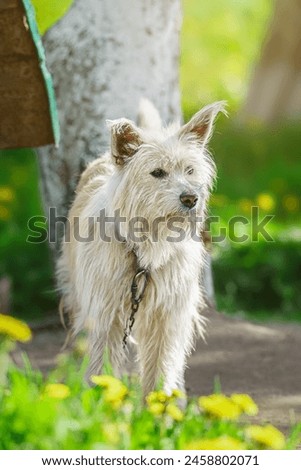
[[188, 200]]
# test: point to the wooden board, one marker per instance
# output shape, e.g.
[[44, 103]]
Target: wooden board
[[28, 116]]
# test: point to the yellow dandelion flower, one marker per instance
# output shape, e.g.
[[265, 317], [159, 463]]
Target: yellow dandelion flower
[[162, 397], [266, 202], [291, 203], [157, 409], [217, 443], [177, 394], [115, 390], [151, 398], [6, 194], [115, 396], [14, 329], [58, 391], [4, 213], [157, 397], [246, 403], [220, 406], [105, 381], [115, 404], [175, 412], [268, 436]]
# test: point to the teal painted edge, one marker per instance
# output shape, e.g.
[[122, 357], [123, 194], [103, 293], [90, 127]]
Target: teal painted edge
[[31, 19]]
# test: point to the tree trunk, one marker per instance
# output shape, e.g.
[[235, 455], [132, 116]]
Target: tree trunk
[[104, 56], [275, 90]]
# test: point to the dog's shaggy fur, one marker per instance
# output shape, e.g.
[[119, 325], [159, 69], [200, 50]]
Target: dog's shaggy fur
[[95, 276]]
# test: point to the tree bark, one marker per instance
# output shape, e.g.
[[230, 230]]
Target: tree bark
[[104, 56], [275, 90]]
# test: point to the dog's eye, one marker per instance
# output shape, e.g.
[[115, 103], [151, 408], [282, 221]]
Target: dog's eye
[[189, 170], [159, 173]]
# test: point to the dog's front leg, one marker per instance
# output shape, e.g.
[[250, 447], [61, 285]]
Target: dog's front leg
[[173, 371], [115, 345], [150, 338], [163, 348], [161, 352], [96, 345], [177, 348]]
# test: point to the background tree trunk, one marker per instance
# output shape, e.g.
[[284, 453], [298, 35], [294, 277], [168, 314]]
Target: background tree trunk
[[275, 90], [104, 56]]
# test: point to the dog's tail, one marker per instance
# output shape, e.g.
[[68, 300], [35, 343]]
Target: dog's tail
[[148, 115]]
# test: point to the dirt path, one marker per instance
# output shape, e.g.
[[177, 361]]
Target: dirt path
[[262, 360]]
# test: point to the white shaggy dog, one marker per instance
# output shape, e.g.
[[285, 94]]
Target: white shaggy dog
[[133, 214]]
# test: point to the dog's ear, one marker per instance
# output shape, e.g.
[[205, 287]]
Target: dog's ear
[[201, 124], [148, 115], [125, 140]]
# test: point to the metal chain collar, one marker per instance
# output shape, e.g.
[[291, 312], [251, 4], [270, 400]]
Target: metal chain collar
[[135, 300]]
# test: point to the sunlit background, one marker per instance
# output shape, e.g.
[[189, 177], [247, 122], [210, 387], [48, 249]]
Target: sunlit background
[[221, 41], [258, 162]]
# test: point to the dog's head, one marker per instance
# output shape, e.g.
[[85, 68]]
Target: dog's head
[[163, 172]]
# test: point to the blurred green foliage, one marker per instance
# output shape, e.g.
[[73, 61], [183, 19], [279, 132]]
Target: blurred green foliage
[[253, 159], [221, 40], [265, 279], [27, 265], [259, 167]]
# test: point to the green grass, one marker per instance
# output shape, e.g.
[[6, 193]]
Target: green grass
[[63, 412]]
